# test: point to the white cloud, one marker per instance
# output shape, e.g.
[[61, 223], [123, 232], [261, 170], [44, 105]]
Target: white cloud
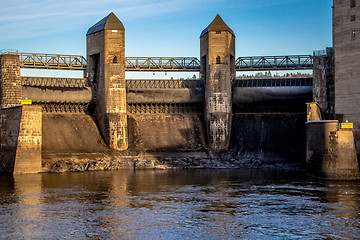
[[25, 19]]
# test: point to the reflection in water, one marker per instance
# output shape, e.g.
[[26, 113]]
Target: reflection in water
[[215, 204], [344, 197], [20, 198]]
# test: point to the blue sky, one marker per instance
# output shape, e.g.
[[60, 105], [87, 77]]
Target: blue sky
[[167, 27]]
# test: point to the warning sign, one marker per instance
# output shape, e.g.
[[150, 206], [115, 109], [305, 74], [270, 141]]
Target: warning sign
[[26, 102], [347, 125]]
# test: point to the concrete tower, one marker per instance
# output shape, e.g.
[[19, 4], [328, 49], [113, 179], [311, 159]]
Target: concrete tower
[[106, 71], [217, 52], [346, 43]]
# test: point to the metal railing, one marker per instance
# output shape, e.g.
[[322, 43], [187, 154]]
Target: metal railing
[[162, 64], [292, 62], [191, 64], [52, 61], [273, 82]]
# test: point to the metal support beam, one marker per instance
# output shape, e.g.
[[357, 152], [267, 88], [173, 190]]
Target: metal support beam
[[293, 62], [180, 64], [191, 64], [51, 61]]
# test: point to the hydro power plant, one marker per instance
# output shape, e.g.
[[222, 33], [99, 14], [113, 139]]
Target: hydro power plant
[[106, 118]]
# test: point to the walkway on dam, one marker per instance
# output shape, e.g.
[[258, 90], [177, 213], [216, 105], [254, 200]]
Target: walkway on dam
[[181, 64]]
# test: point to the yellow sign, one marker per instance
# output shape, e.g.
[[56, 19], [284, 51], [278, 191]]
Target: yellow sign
[[26, 102], [347, 125]]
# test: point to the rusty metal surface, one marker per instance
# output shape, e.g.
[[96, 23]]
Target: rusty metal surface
[[54, 82], [50, 107], [164, 108], [172, 84]]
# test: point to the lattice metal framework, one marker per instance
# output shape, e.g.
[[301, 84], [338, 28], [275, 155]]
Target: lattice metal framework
[[164, 108], [51, 61], [162, 64], [63, 107], [273, 82], [172, 84], [291, 62], [181, 64], [54, 82]]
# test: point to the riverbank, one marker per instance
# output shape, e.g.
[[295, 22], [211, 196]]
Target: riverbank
[[105, 162]]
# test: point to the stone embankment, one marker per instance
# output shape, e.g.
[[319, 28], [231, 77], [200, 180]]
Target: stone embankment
[[101, 162]]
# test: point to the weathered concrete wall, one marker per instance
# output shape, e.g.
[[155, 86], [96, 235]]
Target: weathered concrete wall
[[263, 95], [272, 95], [313, 112], [10, 81], [183, 95], [65, 95], [270, 137], [330, 152], [10, 127], [323, 84], [166, 132], [346, 43], [21, 139], [71, 133]]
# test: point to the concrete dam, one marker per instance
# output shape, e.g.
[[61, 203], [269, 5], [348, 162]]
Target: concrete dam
[[105, 122]]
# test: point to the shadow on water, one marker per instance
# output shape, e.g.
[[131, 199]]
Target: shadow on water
[[247, 203]]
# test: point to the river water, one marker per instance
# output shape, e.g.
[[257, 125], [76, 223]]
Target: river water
[[181, 204]]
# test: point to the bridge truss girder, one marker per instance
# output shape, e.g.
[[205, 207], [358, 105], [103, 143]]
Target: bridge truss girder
[[180, 64], [52, 61], [162, 64], [261, 63]]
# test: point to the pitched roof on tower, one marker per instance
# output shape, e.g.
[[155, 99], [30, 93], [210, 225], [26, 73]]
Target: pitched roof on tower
[[110, 22], [217, 25]]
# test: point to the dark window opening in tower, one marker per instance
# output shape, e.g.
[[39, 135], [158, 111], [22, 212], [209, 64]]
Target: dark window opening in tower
[[218, 60], [115, 59], [352, 3], [352, 34]]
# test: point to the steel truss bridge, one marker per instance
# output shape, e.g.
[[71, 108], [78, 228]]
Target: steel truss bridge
[[293, 62], [51, 61], [180, 64]]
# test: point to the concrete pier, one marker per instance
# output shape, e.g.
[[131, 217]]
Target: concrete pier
[[330, 151], [217, 51], [106, 71]]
